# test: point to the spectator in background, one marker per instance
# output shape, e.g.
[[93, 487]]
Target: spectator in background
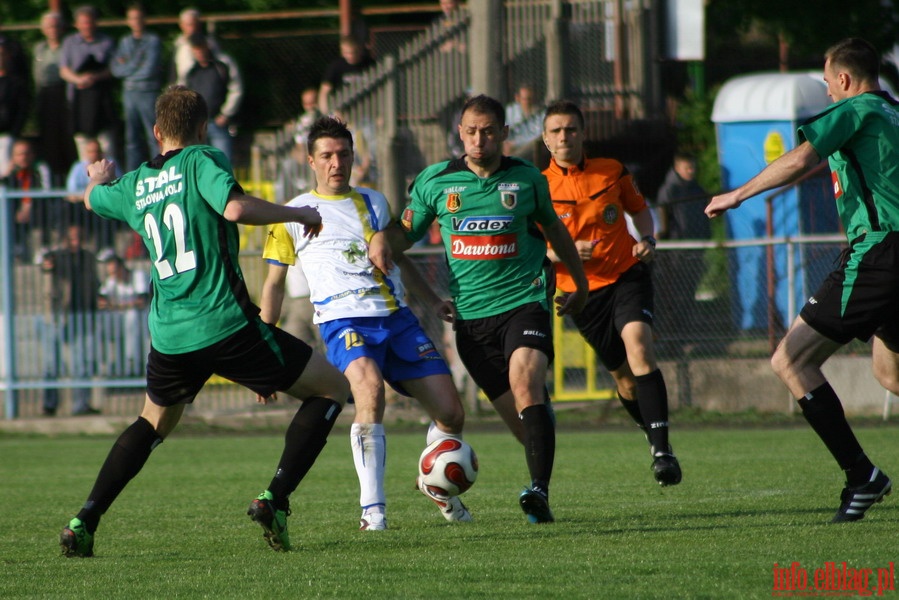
[[78, 178], [14, 105], [56, 144], [124, 295], [34, 218], [76, 182], [352, 62], [525, 120], [85, 65], [450, 14], [681, 209], [73, 283], [138, 63], [360, 30], [190, 23], [295, 170], [681, 202], [18, 60], [215, 77], [311, 113]]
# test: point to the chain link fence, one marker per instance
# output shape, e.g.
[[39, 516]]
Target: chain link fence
[[698, 329]]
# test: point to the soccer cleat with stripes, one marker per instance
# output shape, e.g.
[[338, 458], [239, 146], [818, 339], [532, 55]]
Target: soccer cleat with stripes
[[535, 505], [854, 501], [75, 540], [450, 507], [272, 521]]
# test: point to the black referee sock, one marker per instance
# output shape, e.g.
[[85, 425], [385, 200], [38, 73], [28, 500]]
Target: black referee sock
[[125, 460], [539, 444], [633, 409], [652, 398], [822, 409], [306, 436]]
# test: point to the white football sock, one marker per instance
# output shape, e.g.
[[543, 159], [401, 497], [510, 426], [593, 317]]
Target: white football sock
[[434, 434], [369, 455]]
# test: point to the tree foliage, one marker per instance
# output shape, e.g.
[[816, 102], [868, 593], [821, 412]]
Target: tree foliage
[[808, 27]]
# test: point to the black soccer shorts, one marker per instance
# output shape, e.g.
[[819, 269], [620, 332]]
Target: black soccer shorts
[[485, 345], [860, 298], [258, 356]]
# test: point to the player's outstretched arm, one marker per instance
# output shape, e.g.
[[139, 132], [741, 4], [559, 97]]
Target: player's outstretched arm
[[786, 169], [250, 210], [564, 247]]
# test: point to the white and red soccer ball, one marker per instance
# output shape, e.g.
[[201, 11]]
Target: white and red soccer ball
[[448, 467]]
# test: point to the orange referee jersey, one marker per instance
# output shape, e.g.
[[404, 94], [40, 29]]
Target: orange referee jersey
[[591, 200]]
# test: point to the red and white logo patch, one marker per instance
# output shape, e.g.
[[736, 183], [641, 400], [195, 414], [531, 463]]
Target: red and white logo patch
[[837, 189], [406, 220], [453, 202], [483, 247]]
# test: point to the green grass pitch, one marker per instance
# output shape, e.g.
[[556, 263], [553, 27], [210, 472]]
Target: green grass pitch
[[750, 498]]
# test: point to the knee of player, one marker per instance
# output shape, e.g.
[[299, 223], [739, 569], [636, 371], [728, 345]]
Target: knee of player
[[782, 363], [887, 377], [627, 388], [336, 387], [527, 391], [452, 418]]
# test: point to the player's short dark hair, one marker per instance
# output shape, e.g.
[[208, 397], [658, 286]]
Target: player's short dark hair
[[86, 9], [564, 107], [198, 40], [857, 56], [485, 105], [179, 113], [328, 126]]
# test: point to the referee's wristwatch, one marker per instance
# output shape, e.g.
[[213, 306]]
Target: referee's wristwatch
[[649, 240]]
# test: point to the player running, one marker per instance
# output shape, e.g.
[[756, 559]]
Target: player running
[[591, 196], [859, 134], [488, 207], [370, 333], [185, 203]]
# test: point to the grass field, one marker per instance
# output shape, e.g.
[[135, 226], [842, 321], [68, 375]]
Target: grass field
[[750, 499]]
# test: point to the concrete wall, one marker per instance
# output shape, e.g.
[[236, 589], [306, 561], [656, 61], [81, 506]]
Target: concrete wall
[[734, 385]]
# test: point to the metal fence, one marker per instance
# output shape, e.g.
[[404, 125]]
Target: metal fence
[[405, 109], [698, 315]]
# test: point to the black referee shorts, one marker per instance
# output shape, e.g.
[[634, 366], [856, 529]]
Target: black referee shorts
[[612, 307]]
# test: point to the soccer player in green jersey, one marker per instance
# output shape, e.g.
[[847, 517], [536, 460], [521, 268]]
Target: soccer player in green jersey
[[493, 212], [185, 203], [859, 134]]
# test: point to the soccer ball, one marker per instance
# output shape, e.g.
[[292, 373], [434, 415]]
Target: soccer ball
[[447, 467]]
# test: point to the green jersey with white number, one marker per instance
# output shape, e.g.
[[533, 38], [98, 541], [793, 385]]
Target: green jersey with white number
[[494, 249], [175, 202]]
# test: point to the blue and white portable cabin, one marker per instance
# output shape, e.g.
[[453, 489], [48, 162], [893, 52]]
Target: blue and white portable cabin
[[756, 117]]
